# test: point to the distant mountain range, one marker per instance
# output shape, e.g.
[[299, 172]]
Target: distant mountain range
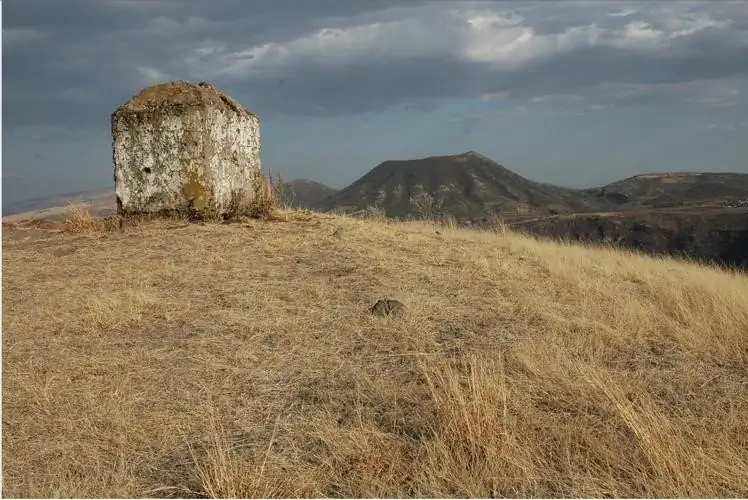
[[470, 186], [674, 189], [467, 185], [304, 193]]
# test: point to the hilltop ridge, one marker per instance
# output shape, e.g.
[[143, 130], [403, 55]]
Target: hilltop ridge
[[305, 193], [673, 190], [467, 185]]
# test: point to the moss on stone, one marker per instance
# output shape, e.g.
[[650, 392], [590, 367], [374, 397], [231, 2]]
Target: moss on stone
[[179, 95], [195, 191]]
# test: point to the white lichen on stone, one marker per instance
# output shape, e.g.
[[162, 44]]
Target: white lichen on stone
[[180, 146]]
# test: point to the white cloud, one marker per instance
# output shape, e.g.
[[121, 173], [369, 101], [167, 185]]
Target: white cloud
[[495, 96], [209, 48], [151, 76], [719, 126], [719, 93], [491, 35], [685, 27], [485, 37], [713, 93], [327, 47], [557, 98], [646, 36], [638, 35], [726, 127], [621, 13], [162, 25]]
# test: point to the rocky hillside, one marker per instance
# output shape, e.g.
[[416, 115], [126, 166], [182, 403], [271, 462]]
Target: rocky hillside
[[467, 185], [675, 189], [305, 193], [714, 235]]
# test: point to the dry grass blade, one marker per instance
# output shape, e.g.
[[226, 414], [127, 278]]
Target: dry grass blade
[[262, 201], [225, 469], [80, 220], [243, 360]]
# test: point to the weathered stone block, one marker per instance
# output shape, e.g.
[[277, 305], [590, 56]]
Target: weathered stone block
[[183, 146]]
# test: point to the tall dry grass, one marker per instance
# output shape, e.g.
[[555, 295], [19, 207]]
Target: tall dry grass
[[80, 220], [240, 360], [264, 200]]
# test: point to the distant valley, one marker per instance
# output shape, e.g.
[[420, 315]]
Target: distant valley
[[703, 216]]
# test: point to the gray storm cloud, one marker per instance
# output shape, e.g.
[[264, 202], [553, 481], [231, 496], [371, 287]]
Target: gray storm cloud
[[340, 58]]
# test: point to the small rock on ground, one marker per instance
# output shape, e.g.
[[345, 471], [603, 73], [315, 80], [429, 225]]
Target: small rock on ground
[[385, 307]]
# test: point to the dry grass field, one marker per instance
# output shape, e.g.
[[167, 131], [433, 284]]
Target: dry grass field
[[175, 359]]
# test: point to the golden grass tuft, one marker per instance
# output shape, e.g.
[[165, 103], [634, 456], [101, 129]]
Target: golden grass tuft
[[80, 220], [240, 360], [263, 202]]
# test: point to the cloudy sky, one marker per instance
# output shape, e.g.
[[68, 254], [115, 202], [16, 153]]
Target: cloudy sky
[[574, 93]]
